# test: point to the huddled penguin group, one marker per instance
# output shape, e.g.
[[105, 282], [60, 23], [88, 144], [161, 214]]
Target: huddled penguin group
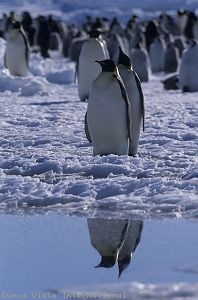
[[112, 59]]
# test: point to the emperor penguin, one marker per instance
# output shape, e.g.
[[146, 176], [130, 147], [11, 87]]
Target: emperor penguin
[[108, 112], [141, 63], [180, 44], [132, 240], [171, 58], [188, 73], [17, 50], [87, 70], [181, 19], [157, 55], [136, 98], [107, 237]]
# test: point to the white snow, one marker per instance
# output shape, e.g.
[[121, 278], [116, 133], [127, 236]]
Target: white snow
[[134, 290], [47, 162]]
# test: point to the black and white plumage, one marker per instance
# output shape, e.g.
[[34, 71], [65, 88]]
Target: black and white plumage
[[108, 112], [136, 98], [17, 51]]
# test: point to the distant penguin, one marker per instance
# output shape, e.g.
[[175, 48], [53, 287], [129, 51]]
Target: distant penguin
[[43, 36], [141, 63], [114, 41], [136, 98], [171, 82], [56, 43], [130, 244], [107, 237], [75, 47], [191, 21], [181, 20], [168, 38], [87, 70], [180, 43], [17, 50], [151, 33], [108, 112], [171, 59], [188, 73], [157, 55]]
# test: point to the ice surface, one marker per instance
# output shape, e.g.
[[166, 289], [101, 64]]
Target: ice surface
[[46, 161]]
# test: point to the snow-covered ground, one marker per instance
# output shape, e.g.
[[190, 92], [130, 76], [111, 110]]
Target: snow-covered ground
[[47, 162]]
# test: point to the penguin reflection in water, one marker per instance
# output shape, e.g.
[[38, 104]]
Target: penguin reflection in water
[[108, 112], [17, 51], [115, 240]]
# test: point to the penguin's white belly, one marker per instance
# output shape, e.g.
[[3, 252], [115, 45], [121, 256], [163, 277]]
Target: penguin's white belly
[[157, 56], [106, 115], [188, 75], [15, 59], [106, 235], [88, 69], [141, 70]]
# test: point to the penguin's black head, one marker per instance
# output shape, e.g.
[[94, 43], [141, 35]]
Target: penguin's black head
[[124, 59], [123, 263], [16, 25], [94, 33], [107, 65]]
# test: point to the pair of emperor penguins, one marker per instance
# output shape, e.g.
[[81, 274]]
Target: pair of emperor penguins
[[94, 48], [16, 56], [115, 109], [115, 240]]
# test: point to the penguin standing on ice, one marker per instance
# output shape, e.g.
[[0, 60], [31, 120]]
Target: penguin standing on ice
[[188, 73], [157, 55], [171, 58], [108, 112], [136, 98], [87, 70], [141, 63], [17, 50]]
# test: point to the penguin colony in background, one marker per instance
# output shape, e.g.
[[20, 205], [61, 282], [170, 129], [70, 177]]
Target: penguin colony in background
[[112, 60]]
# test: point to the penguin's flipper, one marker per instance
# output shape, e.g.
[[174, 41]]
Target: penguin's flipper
[[87, 129], [138, 82], [27, 48], [4, 61], [126, 100]]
